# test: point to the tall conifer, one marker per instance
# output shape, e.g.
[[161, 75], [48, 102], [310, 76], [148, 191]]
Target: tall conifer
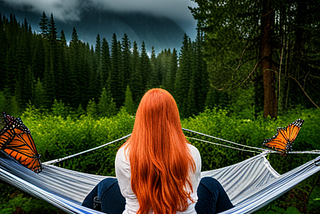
[[73, 93], [153, 76], [183, 76], [44, 25], [136, 84], [3, 51], [125, 61], [105, 62], [128, 103], [114, 84], [145, 65]]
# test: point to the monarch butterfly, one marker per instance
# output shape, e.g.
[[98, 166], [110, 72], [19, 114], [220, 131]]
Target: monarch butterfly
[[16, 140], [282, 141]]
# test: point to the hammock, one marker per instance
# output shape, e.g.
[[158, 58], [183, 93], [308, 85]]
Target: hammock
[[250, 184]]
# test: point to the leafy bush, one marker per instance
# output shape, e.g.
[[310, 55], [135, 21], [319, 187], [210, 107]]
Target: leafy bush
[[14, 201], [59, 134]]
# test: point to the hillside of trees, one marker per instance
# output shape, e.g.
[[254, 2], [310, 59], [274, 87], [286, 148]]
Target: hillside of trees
[[40, 68], [157, 31], [265, 66]]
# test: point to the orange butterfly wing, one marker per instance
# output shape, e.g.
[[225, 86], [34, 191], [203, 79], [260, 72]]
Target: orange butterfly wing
[[284, 137], [16, 140]]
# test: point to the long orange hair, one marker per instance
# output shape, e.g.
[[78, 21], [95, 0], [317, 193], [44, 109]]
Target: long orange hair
[[159, 157]]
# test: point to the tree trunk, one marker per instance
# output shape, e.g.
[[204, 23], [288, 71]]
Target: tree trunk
[[267, 24]]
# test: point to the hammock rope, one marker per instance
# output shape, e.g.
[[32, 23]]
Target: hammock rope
[[86, 151], [317, 152], [251, 149], [219, 144], [227, 141]]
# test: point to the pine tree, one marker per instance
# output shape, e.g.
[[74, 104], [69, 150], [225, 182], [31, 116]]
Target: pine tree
[[173, 71], [114, 83], [39, 97], [44, 25], [73, 93], [98, 51], [153, 77], [52, 30], [3, 102], [61, 78], [145, 66], [53, 69], [164, 74], [136, 84], [125, 61], [24, 75], [51, 63], [3, 52], [97, 68], [105, 62], [128, 103], [92, 109], [92, 71], [11, 67], [106, 106], [201, 76], [183, 77], [38, 57]]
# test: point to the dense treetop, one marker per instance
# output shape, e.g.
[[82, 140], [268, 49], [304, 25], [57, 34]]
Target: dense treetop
[[40, 68]]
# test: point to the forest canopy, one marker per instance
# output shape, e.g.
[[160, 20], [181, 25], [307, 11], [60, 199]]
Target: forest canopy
[[248, 56], [39, 68], [269, 43]]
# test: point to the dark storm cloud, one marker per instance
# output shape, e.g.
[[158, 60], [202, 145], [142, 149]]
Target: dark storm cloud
[[70, 10], [64, 10]]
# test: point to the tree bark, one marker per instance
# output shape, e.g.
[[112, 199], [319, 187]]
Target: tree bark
[[267, 28]]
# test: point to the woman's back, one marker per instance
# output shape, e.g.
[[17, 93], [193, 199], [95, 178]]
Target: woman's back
[[159, 156], [157, 170], [122, 165]]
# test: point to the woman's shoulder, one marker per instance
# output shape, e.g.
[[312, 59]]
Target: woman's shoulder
[[194, 151], [192, 148], [122, 154]]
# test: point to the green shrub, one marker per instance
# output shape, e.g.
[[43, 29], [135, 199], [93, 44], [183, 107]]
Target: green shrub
[[59, 134]]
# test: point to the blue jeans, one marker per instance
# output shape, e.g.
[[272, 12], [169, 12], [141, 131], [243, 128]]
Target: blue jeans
[[106, 197]]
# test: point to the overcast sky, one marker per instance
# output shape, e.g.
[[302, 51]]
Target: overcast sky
[[70, 10]]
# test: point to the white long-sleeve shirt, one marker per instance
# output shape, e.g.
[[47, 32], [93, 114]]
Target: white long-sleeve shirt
[[123, 174]]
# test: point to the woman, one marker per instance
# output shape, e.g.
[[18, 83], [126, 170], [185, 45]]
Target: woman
[[157, 170]]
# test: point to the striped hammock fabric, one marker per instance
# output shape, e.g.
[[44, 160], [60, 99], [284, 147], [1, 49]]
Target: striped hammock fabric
[[250, 184]]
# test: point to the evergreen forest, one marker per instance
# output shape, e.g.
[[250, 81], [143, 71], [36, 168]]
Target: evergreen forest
[[253, 66], [39, 68]]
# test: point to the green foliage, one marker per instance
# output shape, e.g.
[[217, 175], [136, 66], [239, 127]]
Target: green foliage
[[60, 109], [106, 106], [128, 103], [92, 109], [236, 34], [14, 201], [273, 209], [14, 106], [3, 102], [58, 136], [39, 94], [242, 103], [27, 204], [314, 199], [191, 79]]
